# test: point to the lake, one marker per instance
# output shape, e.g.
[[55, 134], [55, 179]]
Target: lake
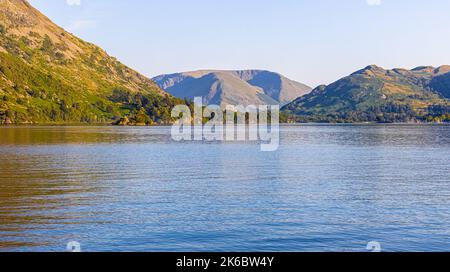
[[327, 188]]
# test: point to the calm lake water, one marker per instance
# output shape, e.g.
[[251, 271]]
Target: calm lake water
[[328, 188]]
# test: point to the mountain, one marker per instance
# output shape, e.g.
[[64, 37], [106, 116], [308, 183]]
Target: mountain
[[441, 82], [48, 75], [248, 87], [374, 94]]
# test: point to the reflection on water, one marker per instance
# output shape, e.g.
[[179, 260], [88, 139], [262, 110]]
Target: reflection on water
[[328, 188]]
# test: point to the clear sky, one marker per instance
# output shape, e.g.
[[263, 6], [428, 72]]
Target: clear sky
[[311, 41]]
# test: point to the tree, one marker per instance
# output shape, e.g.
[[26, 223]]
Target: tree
[[141, 117]]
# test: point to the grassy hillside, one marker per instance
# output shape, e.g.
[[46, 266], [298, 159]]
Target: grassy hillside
[[377, 95], [48, 75]]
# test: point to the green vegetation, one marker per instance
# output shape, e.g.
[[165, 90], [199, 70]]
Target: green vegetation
[[375, 95], [57, 78], [37, 97], [50, 76], [438, 114]]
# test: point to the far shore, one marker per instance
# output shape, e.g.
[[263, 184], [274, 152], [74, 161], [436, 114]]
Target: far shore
[[169, 125]]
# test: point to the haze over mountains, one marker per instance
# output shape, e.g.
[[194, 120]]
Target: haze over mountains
[[49, 75], [245, 87], [374, 94]]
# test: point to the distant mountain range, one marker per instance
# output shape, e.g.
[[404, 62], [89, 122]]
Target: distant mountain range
[[48, 75], [247, 87], [374, 94]]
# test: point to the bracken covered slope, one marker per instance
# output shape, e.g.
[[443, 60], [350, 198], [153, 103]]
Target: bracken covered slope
[[48, 75]]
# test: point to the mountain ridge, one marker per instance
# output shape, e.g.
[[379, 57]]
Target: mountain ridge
[[233, 87], [374, 94]]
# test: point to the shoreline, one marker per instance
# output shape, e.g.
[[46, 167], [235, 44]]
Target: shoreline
[[162, 125]]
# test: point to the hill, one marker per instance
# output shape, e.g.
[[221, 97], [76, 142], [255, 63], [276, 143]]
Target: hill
[[48, 75], [374, 94], [247, 87]]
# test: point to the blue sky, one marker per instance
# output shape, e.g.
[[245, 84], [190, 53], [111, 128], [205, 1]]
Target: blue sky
[[312, 41]]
